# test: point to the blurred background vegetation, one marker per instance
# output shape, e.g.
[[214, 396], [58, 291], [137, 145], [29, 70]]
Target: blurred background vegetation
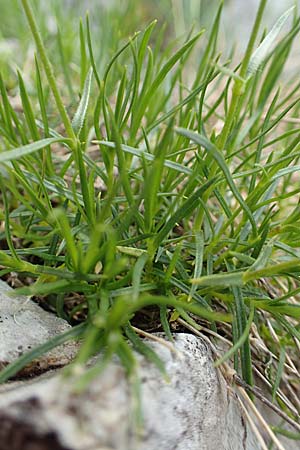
[[179, 15], [115, 20]]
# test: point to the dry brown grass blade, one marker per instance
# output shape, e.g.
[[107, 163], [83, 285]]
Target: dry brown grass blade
[[252, 425], [266, 402], [260, 419], [152, 337]]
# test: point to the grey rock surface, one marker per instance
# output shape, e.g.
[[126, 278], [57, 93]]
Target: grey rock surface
[[194, 411], [25, 325]]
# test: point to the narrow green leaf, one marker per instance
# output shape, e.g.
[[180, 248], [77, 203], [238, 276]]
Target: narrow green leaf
[[182, 212], [59, 216], [80, 115], [221, 279], [27, 108], [279, 373], [137, 274], [25, 150], [219, 158], [145, 349], [199, 244], [261, 52], [91, 53], [163, 314], [148, 156], [83, 57], [16, 366], [241, 340], [263, 257]]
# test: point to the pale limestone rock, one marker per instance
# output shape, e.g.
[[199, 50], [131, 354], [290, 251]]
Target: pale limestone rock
[[194, 411], [25, 325]]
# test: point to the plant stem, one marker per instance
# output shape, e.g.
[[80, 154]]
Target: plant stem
[[48, 68]]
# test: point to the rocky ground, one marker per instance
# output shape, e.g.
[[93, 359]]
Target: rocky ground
[[196, 408]]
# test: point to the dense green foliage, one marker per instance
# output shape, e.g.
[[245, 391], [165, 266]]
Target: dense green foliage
[[152, 171]]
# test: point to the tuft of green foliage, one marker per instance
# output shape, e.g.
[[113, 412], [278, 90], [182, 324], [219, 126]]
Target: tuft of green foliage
[[153, 172]]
